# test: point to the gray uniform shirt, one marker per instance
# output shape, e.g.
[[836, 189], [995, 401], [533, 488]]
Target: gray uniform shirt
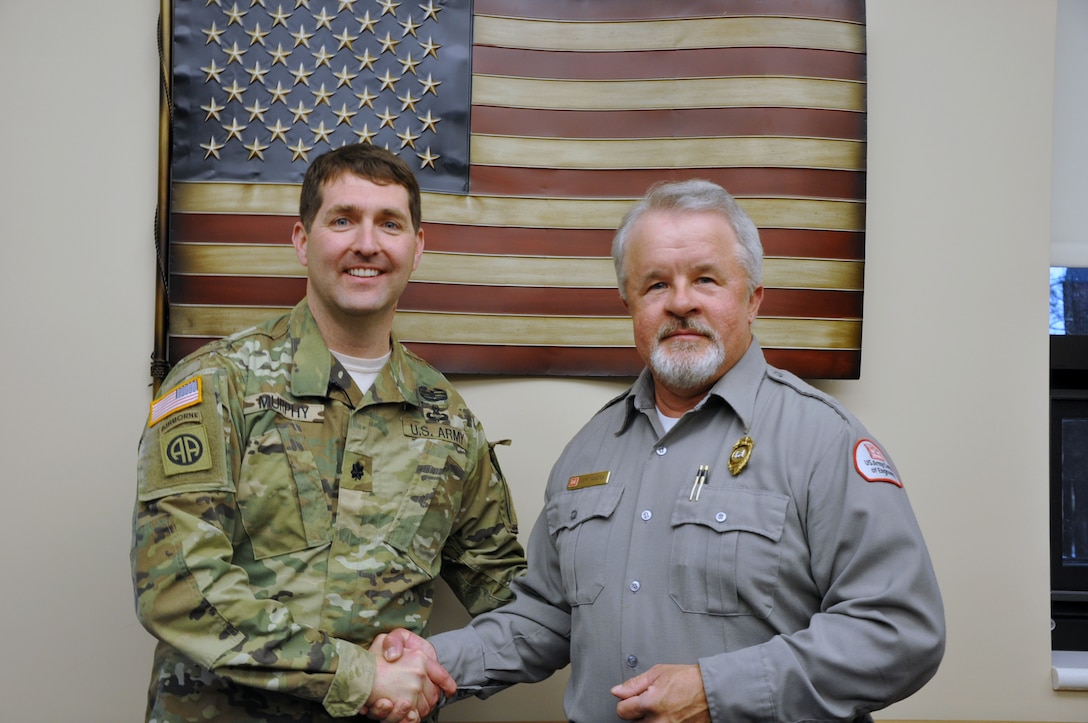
[[801, 585]]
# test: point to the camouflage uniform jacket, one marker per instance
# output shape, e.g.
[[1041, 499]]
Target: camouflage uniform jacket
[[284, 518]]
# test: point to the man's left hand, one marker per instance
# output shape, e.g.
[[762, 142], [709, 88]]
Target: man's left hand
[[664, 694]]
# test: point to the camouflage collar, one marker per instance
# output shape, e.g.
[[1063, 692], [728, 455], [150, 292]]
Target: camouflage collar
[[316, 373]]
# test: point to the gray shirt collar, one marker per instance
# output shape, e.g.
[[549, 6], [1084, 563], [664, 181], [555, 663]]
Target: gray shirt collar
[[737, 388]]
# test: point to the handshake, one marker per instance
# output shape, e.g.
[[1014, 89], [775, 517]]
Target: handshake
[[408, 680]]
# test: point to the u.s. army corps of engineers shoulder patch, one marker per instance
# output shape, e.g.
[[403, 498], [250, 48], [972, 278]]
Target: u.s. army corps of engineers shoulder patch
[[872, 465]]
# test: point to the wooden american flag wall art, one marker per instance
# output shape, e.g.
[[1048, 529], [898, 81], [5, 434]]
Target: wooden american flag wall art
[[533, 125]]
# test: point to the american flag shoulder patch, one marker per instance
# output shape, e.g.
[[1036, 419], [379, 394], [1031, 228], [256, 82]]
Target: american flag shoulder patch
[[182, 396]]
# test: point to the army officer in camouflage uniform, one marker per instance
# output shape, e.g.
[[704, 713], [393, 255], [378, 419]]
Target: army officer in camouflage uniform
[[302, 483]]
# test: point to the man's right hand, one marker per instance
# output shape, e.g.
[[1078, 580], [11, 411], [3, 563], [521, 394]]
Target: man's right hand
[[408, 680]]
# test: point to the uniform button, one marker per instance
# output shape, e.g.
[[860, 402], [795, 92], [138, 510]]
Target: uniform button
[[646, 515], [720, 517], [574, 514], [661, 451], [632, 661], [635, 585]]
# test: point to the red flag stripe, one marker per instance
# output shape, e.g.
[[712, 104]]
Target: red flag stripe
[[686, 63], [284, 292], [628, 10], [266, 229], [581, 361], [680, 123]]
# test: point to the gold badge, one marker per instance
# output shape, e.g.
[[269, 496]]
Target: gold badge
[[592, 479], [738, 458]]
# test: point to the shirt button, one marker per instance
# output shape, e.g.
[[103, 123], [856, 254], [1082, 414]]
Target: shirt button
[[574, 514], [661, 451], [720, 517], [632, 661], [635, 585], [646, 515]]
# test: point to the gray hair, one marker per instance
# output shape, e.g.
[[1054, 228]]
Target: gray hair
[[693, 195]]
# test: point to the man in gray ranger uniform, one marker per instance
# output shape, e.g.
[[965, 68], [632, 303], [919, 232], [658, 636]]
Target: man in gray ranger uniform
[[723, 542]]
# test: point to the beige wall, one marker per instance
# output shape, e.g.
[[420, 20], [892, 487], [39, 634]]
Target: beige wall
[[954, 376]]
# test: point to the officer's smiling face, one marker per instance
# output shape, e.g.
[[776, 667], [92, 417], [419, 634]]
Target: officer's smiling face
[[359, 252]]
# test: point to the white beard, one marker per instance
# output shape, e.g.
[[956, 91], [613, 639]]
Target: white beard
[[680, 365]]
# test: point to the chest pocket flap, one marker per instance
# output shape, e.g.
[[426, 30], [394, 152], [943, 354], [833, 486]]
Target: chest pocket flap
[[569, 509], [732, 509]]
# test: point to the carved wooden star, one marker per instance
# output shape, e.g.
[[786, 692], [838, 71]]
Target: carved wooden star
[[366, 98], [215, 35], [365, 134], [388, 81], [256, 35], [389, 44], [234, 130], [387, 119], [234, 91], [279, 93], [299, 150], [427, 158], [234, 54], [212, 72], [408, 102], [407, 138], [366, 60], [344, 115], [430, 85], [322, 96], [302, 37], [366, 23], [257, 73], [430, 48], [321, 133], [408, 64], [279, 131], [430, 10], [256, 149], [234, 15], [430, 123], [410, 26], [256, 111], [322, 57], [344, 77], [212, 148], [346, 40], [279, 55], [324, 19], [212, 109], [280, 17], [302, 75], [301, 112]]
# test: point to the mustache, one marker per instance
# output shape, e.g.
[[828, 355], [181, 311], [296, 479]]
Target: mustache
[[698, 327]]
